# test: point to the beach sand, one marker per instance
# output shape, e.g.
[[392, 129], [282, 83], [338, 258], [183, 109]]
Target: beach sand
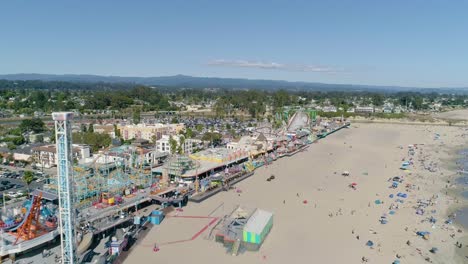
[[461, 114], [305, 233]]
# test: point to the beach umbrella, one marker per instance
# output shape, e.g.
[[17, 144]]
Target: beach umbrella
[[353, 184], [369, 243]]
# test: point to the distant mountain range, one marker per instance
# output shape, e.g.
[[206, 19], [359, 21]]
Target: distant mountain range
[[228, 83]]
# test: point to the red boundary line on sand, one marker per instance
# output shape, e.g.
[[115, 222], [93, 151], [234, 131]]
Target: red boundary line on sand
[[197, 234]]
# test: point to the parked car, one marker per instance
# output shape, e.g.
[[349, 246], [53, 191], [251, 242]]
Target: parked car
[[5, 182]]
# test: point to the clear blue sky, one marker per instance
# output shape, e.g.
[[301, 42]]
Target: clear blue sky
[[409, 43]]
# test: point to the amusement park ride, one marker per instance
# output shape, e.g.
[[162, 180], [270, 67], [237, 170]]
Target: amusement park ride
[[31, 227], [63, 133]]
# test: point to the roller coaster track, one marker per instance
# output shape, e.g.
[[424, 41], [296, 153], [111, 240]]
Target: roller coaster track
[[298, 120]]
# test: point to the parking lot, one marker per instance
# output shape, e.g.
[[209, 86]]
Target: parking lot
[[12, 183]]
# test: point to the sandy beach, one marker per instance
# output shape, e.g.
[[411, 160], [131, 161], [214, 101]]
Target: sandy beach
[[337, 221]]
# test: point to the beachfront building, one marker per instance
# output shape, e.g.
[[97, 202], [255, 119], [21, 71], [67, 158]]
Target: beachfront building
[[244, 228], [329, 109], [200, 164], [256, 229], [46, 156], [253, 144], [149, 132], [189, 145], [219, 155], [364, 109]]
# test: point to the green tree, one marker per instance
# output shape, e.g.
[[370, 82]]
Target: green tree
[[11, 146], [214, 138], [188, 133], [136, 115], [28, 177], [95, 140], [173, 144], [91, 128], [153, 139], [378, 99], [35, 125], [199, 128], [83, 128], [18, 140], [116, 131]]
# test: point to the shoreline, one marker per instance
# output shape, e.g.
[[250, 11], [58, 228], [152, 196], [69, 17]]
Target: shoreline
[[404, 121], [455, 190]]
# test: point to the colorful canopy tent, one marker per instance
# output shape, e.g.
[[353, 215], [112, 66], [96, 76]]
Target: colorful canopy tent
[[257, 228]]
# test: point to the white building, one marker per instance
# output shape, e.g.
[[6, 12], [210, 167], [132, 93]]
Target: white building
[[387, 109], [163, 144], [46, 156], [251, 144], [149, 132], [364, 109], [329, 109]]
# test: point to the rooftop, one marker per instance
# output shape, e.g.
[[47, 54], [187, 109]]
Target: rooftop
[[258, 221]]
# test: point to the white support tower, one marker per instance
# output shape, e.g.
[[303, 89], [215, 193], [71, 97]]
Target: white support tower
[[65, 185]]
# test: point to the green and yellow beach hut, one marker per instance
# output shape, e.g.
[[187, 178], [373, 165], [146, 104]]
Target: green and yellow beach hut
[[257, 228]]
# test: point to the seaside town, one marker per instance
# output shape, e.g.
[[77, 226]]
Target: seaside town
[[155, 174], [124, 187], [233, 132]]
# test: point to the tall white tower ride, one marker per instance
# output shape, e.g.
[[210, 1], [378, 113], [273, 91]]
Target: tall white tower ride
[[65, 185]]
